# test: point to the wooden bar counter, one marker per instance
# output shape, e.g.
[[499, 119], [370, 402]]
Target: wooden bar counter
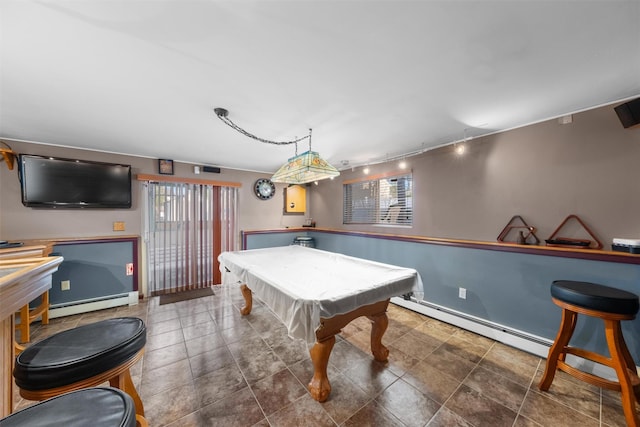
[[21, 281]]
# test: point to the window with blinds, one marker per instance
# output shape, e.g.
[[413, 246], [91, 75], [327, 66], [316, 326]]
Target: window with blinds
[[387, 200]]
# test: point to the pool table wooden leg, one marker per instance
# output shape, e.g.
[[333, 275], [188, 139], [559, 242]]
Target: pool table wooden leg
[[248, 300], [319, 386], [379, 325]]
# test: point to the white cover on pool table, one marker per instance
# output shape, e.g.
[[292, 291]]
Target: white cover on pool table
[[301, 285]]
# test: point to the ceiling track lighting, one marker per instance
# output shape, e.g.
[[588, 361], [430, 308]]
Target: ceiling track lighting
[[299, 169]]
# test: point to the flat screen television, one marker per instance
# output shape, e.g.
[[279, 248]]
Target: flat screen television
[[49, 182]]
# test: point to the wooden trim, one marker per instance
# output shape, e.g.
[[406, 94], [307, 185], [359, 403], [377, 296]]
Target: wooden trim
[[8, 156], [88, 240], [166, 178], [72, 240], [24, 252], [377, 176], [588, 254]]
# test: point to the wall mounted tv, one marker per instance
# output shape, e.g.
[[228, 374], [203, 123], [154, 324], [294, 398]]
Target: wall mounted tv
[[49, 182]]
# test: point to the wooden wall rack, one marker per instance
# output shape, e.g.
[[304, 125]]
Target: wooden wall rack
[[530, 237], [566, 242]]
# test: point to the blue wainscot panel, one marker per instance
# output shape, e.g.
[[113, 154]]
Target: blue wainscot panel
[[95, 271], [508, 291]]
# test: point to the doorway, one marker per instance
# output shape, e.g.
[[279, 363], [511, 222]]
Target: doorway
[[187, 226]]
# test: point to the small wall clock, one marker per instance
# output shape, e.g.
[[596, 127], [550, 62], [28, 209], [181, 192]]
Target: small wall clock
[[264, 189]]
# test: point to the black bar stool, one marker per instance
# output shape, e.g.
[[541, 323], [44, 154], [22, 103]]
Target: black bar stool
[[83, 357], [611, 305], [95, 407]]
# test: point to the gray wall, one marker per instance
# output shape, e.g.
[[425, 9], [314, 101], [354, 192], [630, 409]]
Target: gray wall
[[20, 223], [543, 172]]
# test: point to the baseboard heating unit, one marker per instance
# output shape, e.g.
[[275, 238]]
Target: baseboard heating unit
[[93, 304], [512, 337]]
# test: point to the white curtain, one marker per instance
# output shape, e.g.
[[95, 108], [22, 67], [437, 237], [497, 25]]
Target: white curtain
[[183, 223]]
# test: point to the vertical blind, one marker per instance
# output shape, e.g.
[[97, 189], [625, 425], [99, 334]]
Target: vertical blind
[[387, 200], [183, 226], [228, 219]]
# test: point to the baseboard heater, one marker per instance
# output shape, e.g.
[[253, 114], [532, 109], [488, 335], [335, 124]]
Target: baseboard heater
[[92, 304], [512, 337]]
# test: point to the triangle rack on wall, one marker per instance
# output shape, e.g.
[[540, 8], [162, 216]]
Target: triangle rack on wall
[[528, 238], [567, 242]]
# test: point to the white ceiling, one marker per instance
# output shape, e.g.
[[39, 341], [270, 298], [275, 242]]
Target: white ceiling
[[374, 79]]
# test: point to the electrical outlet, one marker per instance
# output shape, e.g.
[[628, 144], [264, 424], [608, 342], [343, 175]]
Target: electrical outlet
[[462, 293], [65, 285]]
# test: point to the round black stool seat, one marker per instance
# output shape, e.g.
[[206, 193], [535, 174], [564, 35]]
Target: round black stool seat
[[595, 297], [95, 407], [80, 353]]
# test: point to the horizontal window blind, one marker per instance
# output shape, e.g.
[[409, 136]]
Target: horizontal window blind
[[387, 200]]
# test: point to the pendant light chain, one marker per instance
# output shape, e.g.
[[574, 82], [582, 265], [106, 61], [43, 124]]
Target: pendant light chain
[[300, 169], [224, 116]]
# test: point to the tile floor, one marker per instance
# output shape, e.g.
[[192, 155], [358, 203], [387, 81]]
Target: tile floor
[[206, 365]]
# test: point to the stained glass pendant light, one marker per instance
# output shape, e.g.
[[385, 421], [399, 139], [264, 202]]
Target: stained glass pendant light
[[300, 169], [305, 167]]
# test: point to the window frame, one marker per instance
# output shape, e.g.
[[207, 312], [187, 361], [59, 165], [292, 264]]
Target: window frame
[[371, 189]]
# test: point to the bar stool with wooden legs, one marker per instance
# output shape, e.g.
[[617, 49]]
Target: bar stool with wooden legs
[[611, 305], [83, 357], [28, 315], [95, 407]]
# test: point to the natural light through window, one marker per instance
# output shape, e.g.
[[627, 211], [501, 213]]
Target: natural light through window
[[386, 200]]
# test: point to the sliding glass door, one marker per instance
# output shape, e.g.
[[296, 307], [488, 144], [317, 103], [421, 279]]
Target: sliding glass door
[[187, 226]]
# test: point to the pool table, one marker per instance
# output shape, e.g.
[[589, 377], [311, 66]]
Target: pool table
[[316, 293]]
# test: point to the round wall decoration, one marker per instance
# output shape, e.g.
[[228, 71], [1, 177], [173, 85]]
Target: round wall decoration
[[264, 189]]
